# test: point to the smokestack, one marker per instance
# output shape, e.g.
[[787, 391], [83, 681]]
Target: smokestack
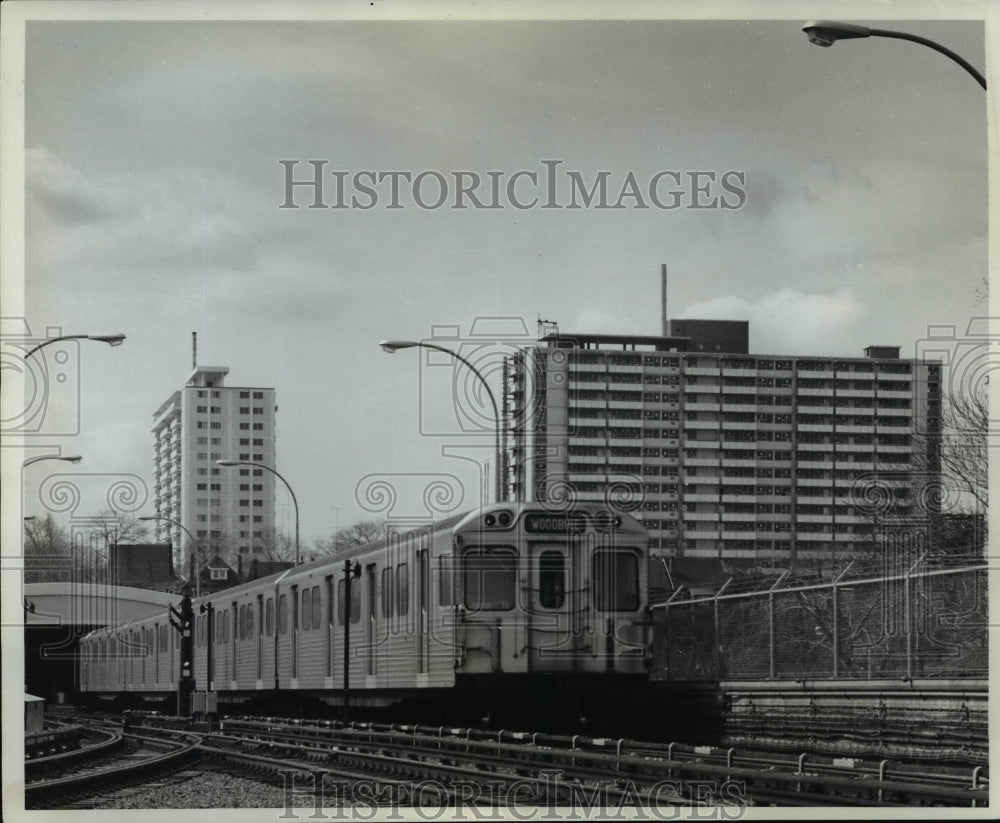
[[194, 350], [663, 298]]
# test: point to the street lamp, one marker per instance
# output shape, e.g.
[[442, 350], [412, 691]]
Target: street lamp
[[228, 463], [194, 545], [392, 346], [110, 339], [69, 458], [828, 32]]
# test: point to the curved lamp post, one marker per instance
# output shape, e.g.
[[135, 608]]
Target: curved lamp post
[[392, 346], [69, 458], [110, 339], [191, 537], [828, 32], [228, 463]]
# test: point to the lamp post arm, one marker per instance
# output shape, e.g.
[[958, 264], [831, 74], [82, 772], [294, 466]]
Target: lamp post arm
[[493, 402], [923, 41], [288, 486]]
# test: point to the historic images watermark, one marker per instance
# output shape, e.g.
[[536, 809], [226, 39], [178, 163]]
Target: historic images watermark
[[311, 184], [326, 796]]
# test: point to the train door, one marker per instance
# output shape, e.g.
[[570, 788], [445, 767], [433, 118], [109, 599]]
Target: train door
[[423, 609], [329, 625], [260, 636], [370, 627], [551, 605], [295, 632], [236, 635]]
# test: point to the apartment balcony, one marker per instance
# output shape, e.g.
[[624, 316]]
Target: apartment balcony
[[855, 429], [906, 429], [733, 481], [814, 427], [706, 517], [574, 403], [814, 518], [702, 371], [820, 465], [746, 427], [814, 447], [702, 444], [702, 461], [735, 498], [738, 534], [635, 405], [814, 537], [701, 407], [816, 392], [590, 441], [863, 393], [729, 462], [701, 498], [739, 372], [891, 412], [748, 445], [711, 425], [902, 378], [594, 459], [808, 408], [866, 465], [588, 367], [701, 535], [700, 388], [741, 408], [896, 394]]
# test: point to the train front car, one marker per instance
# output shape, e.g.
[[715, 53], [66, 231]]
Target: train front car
[[550, 608]]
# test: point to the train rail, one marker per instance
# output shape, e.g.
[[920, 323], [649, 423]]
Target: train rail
[[144, 756], [560, 767]]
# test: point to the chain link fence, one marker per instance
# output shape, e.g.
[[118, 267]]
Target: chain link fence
[[927, 621]]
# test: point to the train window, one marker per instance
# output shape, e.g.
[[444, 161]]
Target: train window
[[616, 581], [402, 589], [250, 622], [306, 609], [283, 614], [551, 580], [355, 601], [242, 622], [269, 616], [317, 605], [225, 627], [489, 577], [445, 595], [386, 592]]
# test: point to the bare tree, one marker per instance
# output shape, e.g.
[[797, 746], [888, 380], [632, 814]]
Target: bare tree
[[359, 534], [115, 527], [964, 447], [281, 548], [47, 554]]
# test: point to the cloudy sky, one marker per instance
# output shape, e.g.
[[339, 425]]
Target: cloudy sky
[[153, 194]]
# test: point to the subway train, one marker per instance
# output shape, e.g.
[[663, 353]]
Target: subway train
[[513, 613]]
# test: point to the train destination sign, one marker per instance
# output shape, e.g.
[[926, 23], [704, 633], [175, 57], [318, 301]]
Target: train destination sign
[[559, 523]]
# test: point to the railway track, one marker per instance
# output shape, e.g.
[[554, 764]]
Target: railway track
[[552, 768], [122, 759]]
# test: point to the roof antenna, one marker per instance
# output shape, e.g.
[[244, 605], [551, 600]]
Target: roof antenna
[[194, 350]]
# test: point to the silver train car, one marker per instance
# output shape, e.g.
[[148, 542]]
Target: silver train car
[[475, 612]]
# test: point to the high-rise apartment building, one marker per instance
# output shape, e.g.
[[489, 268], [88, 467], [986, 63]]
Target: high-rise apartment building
[[720, 452], [224, 508]]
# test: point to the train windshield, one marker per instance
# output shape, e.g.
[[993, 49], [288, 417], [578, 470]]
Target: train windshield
[[489, 576], [616, 581]]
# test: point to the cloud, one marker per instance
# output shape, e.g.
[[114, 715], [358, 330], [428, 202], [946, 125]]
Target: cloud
[[810, 323], [64, 194]]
